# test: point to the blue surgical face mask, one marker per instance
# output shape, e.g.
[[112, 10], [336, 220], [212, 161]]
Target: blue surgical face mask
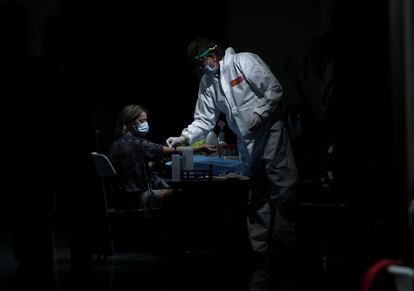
[[142, 128], [208, 70]]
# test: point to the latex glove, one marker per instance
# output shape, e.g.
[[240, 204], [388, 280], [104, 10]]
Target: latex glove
[[173, 142], [255, 122]]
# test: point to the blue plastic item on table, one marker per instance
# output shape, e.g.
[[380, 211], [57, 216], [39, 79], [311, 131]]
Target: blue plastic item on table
[[219, 166]]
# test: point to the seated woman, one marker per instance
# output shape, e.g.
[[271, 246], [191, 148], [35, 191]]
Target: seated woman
[[130, 154]]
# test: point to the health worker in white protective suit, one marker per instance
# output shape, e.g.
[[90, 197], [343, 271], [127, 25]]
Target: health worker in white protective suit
[[241, 86]]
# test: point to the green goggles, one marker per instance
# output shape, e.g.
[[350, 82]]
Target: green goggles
[[204, 53]]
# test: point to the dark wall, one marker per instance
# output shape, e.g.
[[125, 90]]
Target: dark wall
[[368, 124], [282, 30], [116, 54], [68, 76], [138, 55], [365, 115]]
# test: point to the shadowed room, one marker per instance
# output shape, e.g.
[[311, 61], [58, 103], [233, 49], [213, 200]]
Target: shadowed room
[[70, 67]]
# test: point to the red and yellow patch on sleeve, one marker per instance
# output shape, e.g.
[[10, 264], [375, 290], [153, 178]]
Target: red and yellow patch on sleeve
[[236, 81]]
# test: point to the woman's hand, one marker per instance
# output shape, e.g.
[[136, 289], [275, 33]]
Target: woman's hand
[[208, 148]]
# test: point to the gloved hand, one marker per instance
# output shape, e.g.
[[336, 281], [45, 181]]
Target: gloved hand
[[255, 122], [175, 141]]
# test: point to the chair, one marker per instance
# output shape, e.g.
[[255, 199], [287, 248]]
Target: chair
[[103, 165], [403, 277], [120, 218], [105, 248], [104, 168], [117, 211], [387, 275]]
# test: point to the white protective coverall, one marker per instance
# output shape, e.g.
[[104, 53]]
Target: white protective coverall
[[245, 86]]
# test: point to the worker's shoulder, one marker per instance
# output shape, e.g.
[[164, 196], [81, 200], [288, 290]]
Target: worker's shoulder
[[232, 54], [246, 57]]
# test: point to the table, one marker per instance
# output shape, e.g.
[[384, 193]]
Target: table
[[211, 215]]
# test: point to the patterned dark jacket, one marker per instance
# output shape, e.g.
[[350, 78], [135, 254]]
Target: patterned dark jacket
[[129, 155]]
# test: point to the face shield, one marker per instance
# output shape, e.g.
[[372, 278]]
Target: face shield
[[205, 62]]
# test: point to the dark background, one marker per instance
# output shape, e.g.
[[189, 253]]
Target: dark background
[[68, 67], [138, 55]]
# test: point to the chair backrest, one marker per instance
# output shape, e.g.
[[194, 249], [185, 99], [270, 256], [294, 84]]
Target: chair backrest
[[403, 277], [377, 277], [104, 168], [103, 165]]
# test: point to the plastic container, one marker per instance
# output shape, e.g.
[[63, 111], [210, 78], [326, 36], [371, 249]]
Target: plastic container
[[212, 139], [221, 135], [176, 165], [188, 159]]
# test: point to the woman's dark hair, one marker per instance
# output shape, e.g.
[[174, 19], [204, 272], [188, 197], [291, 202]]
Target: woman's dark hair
[[201, 44], [126, 118]]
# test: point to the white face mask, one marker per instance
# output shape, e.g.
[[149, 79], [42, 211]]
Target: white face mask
[[142, 128]]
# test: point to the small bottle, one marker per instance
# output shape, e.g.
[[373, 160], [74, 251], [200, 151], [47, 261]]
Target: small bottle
[[176, 166], [221, 139], [212, 139], [188, 164]]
